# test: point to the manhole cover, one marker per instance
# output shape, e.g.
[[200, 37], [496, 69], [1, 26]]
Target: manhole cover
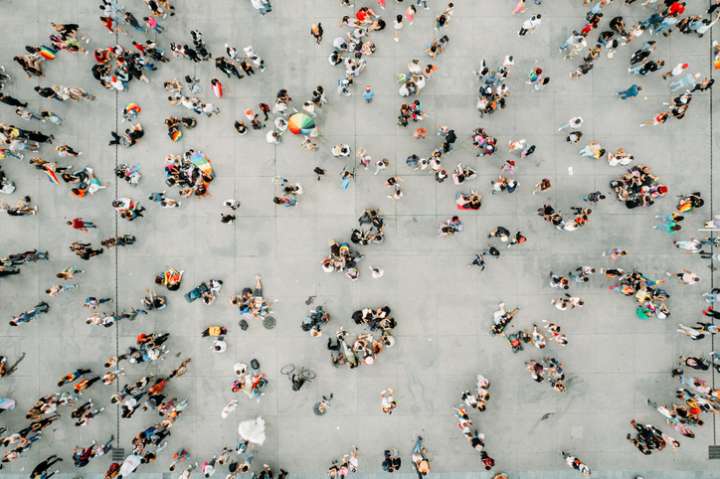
[[269, 322]]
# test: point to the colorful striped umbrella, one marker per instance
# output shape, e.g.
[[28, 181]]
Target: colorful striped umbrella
[[301, 124], [48, 53], [52, 175], [201, 161]]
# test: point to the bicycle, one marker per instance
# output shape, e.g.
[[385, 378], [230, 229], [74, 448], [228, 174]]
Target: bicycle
[[298, 379]]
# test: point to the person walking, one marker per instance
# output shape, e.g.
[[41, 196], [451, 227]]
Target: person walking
[[630, 92]]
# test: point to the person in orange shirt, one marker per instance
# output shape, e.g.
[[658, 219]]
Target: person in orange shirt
[[85, 384]]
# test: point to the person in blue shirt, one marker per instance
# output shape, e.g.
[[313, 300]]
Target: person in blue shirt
[[630, 92], [368, 94]]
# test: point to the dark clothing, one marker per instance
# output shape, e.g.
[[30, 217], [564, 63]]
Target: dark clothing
[[8, 100]]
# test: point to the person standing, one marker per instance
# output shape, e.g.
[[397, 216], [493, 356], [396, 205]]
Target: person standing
[[420, 458], [530, 25], [41, 470], [631, 92], [81, 224], [368, 94], [316, 30], [397, 26]]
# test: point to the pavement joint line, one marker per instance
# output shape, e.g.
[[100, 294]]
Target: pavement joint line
[[117, 263], [712, 213]]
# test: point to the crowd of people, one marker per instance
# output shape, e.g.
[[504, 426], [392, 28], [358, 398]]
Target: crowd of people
[[366, 347], [140, 47]]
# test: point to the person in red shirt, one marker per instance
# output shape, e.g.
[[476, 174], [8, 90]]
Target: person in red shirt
[[81, 224], [676, 8], [158, 387]]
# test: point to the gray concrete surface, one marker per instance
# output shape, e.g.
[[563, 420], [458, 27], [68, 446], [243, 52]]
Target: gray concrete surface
[[442, 306]]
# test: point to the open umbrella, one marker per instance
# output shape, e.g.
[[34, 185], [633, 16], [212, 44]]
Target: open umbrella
[[202, 162], [253, 430], [302, 124]]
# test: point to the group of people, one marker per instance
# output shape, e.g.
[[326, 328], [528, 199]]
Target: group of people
[[192, 172], [475, 439], [366, 347], [504, 236], [581, 217], [352, 50], [9, 265], [252, 304], [638, 187], [342, 258], [433, 162], [494, 90], [549, 368]]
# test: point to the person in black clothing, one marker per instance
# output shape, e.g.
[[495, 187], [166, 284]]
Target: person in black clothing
[[40, 471], [8, 270], [227, 68], [449, 138], [192, 54], [12, 101], [66, 29], [133, 22], [392, 461], [129, 138], [47, 92]]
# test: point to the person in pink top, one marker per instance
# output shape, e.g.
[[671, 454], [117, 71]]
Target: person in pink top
[[152, 24]]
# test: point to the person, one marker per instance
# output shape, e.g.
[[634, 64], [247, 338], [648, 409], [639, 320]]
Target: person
[[41, 470], [50, 116], [321, 407], [677, 70], [217, 87], [575, 463], [368, 94], [388, 403], [693, 362], [81, 224], [671, 223], [392, 461], [397, 26], [687, 277], [630, 92], [262, 6], [316, 30], [594, 197], [12, 101], [27, 316], [130, 464], [179, 456], [530, 25], [22, 208], [420, 458], [574, 123]]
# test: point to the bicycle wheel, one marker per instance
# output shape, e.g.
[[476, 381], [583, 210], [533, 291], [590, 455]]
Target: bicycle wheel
[[307, 374], [288, 369]]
